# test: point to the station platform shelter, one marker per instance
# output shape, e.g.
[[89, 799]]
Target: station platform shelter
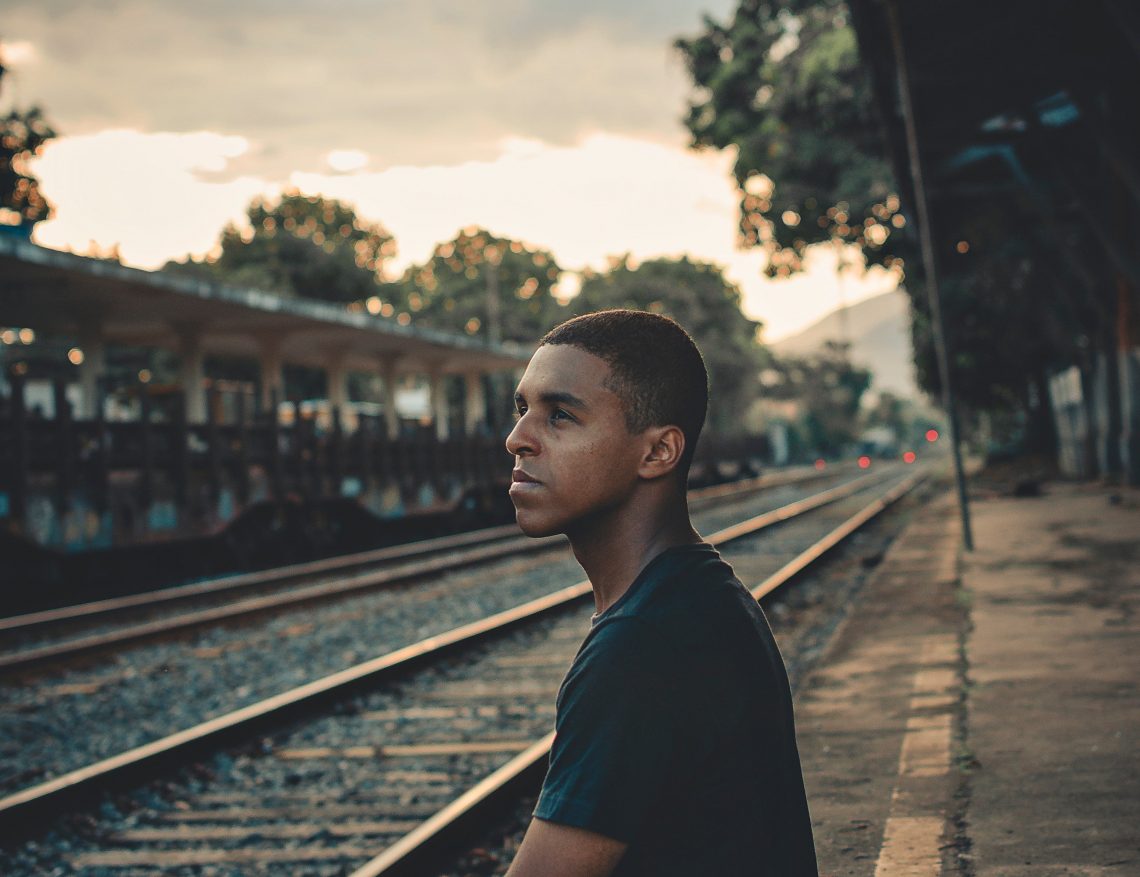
[[98, 304], [91, 459]]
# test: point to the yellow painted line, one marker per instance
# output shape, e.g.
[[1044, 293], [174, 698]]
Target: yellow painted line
[[912, 841], [911, 847], [933, 701], [926, 747]]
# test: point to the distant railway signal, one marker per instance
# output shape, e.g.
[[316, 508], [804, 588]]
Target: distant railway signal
[[909, 457], [864, 462], [821, 464], [932, 435]]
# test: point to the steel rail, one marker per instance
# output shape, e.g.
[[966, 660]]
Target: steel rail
[[273, 575], [806, 558], [416, 850], [20, 809], [29, 658], [277, 575], [406, 856], [497, 546]]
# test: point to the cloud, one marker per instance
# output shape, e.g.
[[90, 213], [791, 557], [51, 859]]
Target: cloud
[[467, 111], [432, 82], [346, 160], [145, 192], [604, 195], [18, 53], [157, 196]]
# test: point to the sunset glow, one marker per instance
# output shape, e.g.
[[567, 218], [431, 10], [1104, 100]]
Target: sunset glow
[[157, 152]]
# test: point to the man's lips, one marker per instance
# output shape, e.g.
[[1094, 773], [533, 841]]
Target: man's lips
[[523, 482]]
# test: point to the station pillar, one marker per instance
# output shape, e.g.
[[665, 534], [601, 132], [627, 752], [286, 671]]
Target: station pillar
[[1130, 415], [439, 403], [337, 375], [90, 371], [192, 373], [474, 402], [269, 363], [388, 378]]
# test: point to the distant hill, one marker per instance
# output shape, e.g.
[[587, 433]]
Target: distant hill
[[879, 332]]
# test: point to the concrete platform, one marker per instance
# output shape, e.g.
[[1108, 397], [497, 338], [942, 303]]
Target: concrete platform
[[978, 715]]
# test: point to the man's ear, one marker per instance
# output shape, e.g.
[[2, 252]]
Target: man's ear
[[665, 447]]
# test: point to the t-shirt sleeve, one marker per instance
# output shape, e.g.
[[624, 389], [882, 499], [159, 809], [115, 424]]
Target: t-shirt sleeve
[[616, 736]]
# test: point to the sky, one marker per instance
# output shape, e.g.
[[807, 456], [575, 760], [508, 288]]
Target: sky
[[554, 122]]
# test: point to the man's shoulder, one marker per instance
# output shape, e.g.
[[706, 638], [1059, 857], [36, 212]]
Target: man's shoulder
[[692, 588], [693, 616], [628, 640]]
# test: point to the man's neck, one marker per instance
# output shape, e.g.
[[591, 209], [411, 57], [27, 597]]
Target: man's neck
[[614, 548]]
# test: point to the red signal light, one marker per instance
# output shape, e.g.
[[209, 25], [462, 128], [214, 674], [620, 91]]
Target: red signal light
[[909, 457], [821, 464], [864, 462], [932, 435]]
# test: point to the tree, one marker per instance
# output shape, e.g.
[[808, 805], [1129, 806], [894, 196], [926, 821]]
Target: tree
[[22, 134], [891, 412], [828, 389], [484, 285], [698, 296], [303, 245], [782, 84], [1012, 315]]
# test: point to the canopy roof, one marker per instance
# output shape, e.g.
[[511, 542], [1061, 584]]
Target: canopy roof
[[1005, 91], [61, 293], [1028, 99]]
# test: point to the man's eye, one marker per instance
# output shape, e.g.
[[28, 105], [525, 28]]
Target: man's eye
[[519, 412], [559, 414]]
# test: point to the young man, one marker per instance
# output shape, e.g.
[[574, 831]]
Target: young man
[[675, 750]]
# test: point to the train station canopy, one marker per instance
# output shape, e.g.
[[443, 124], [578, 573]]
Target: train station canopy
[[1029, 97], [61, 293]]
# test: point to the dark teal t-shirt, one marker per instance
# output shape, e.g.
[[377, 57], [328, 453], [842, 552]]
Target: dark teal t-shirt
[[675, 732]]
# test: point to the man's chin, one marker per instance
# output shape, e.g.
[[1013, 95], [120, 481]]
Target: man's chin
[[534, 527]]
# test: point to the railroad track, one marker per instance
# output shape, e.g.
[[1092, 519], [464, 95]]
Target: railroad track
[[42, 639], [128, 698], [321, 795]]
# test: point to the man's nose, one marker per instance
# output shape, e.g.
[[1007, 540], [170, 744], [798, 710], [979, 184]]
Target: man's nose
[[519, 442]]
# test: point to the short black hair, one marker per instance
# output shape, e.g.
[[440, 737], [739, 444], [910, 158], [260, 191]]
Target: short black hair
[[656, 369]]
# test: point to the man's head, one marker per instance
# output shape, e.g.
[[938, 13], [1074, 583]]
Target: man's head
[[609, 401], [655, 368]]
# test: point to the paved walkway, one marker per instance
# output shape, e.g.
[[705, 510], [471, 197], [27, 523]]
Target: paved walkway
[[979, 716]]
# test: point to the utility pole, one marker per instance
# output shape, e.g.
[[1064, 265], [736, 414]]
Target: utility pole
[[493, 256], [494, 305], [844, 316], [928, 264]]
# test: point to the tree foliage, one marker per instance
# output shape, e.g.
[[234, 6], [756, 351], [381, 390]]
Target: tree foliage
[[828, 390], [487, 286], [782, 84], [891, 412], [701, 299], [1013, 311], [302, 245], [22, 134]]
